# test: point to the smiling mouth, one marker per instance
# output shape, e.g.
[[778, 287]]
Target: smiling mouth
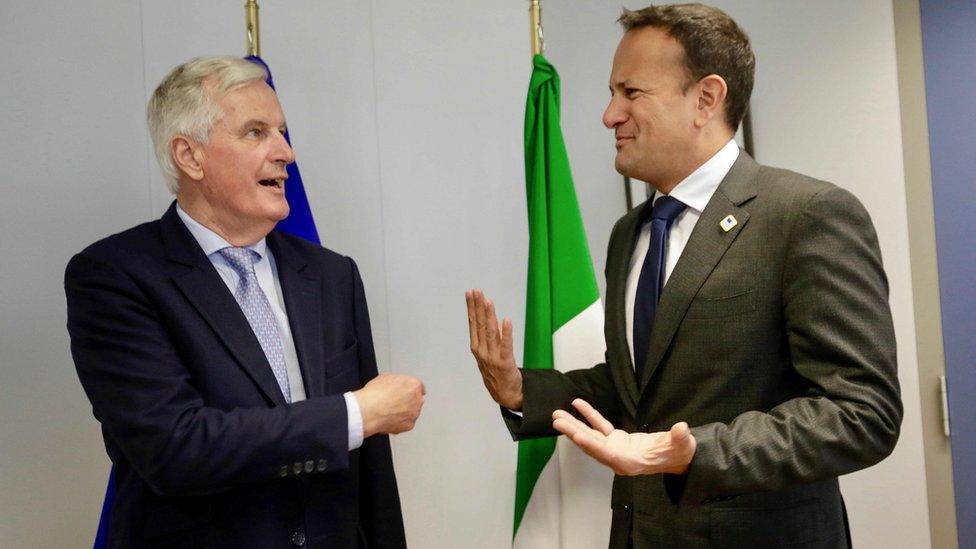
[[276, 183]]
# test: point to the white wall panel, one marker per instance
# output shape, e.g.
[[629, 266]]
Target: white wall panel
[[74, 156], [451, 80]]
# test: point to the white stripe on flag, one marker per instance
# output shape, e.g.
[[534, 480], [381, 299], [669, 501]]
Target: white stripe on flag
[[581, 519], [584, 482], [580, 343], [540, 527]]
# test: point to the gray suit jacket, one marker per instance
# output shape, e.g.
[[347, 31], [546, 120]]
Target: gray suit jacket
[[774, 341]]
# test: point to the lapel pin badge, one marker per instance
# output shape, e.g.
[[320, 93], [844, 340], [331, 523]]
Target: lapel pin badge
[[728, 223]]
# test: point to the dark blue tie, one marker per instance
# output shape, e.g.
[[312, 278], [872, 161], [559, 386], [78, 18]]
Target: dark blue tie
[[651, 280]]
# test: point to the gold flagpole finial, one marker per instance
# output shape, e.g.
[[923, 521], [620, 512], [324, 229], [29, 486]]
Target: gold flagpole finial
[[253, 28], [535, 27]]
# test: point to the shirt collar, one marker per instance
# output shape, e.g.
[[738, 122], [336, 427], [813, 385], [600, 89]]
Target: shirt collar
[[210, 241], [697, 189]]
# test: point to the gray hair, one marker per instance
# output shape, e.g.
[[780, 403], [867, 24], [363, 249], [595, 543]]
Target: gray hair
[[185, 103]]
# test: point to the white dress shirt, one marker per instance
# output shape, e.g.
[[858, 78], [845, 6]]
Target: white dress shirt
[[693, 191], [267, 275]]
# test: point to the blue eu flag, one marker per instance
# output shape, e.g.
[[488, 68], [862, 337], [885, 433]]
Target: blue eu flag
[[299, 222]]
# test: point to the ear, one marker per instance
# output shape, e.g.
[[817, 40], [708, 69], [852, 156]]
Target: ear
[[187, 155], [712, 91]]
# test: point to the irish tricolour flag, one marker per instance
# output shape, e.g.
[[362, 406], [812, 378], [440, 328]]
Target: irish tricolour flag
[[562, 497]]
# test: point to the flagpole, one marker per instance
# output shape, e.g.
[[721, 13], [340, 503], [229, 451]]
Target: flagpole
[[535, 27], [253, 29]]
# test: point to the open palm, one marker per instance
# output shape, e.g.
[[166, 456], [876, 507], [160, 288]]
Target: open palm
[[627, 453]]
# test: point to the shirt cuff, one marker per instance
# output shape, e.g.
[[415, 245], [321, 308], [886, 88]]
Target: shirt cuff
[[355, 421]]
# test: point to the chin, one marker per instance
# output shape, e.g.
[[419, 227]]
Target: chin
[[623, 168], [270, 214], [281, 213]]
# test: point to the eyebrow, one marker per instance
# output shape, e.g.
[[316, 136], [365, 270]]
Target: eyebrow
[[627, 83], [256, 122]]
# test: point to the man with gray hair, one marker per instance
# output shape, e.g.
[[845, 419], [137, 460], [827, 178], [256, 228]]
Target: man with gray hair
[[231, 366]]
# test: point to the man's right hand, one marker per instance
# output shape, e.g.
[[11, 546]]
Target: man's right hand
[[390, 403], [492, 348]]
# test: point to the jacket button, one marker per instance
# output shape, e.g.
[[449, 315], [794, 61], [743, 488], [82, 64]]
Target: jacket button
[[298, 538], [296, 468], [309, 466], [322, 465], [283, 472]]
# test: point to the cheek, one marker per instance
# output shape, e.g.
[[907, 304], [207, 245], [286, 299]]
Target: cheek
[[230, 185], [648, 119], [220, 169]]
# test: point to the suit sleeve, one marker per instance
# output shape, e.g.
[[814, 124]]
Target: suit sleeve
[[143, 395], [545, 391], [379, 502], [841, 340]]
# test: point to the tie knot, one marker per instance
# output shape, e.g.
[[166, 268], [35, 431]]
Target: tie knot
[[241, 259], [667, 208]]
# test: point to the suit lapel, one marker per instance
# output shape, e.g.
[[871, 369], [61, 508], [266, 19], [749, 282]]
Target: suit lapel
[[206, 291], [618, 267], [302, 289], [705, 248]]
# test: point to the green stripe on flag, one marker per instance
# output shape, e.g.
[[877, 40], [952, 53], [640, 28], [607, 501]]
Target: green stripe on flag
[[561, 283]]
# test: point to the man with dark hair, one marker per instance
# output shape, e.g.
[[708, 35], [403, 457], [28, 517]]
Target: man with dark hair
[[750, 349]]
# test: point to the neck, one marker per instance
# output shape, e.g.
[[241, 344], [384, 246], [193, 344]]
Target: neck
[[234, 231], [699, 153]]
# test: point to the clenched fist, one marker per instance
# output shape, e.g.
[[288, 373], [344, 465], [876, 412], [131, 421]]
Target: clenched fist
[[390, 403]]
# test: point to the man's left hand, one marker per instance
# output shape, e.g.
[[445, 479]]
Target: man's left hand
[[627, 453]]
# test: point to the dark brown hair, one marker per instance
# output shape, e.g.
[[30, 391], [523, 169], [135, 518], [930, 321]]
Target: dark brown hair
[[713, 44]]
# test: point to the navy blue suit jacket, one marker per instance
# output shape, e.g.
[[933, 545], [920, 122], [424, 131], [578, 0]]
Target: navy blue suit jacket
[[206, 451]]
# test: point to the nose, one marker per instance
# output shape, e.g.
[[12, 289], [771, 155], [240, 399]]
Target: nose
[[282, 151], [614, 115]]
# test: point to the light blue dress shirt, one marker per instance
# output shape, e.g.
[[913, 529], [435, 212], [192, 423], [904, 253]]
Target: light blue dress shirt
[[267, 275]]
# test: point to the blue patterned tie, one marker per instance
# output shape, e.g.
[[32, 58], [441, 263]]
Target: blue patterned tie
[[651, 280], [257, 309]]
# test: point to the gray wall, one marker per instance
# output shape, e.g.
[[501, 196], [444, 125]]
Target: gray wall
[[407, 122]]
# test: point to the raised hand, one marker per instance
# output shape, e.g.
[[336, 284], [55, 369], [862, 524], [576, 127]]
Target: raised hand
[[627, 453], [390, 403], [492, 349]]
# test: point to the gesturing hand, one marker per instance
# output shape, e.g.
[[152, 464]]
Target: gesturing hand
[[390, 403], [492, 349], [627, 453]]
